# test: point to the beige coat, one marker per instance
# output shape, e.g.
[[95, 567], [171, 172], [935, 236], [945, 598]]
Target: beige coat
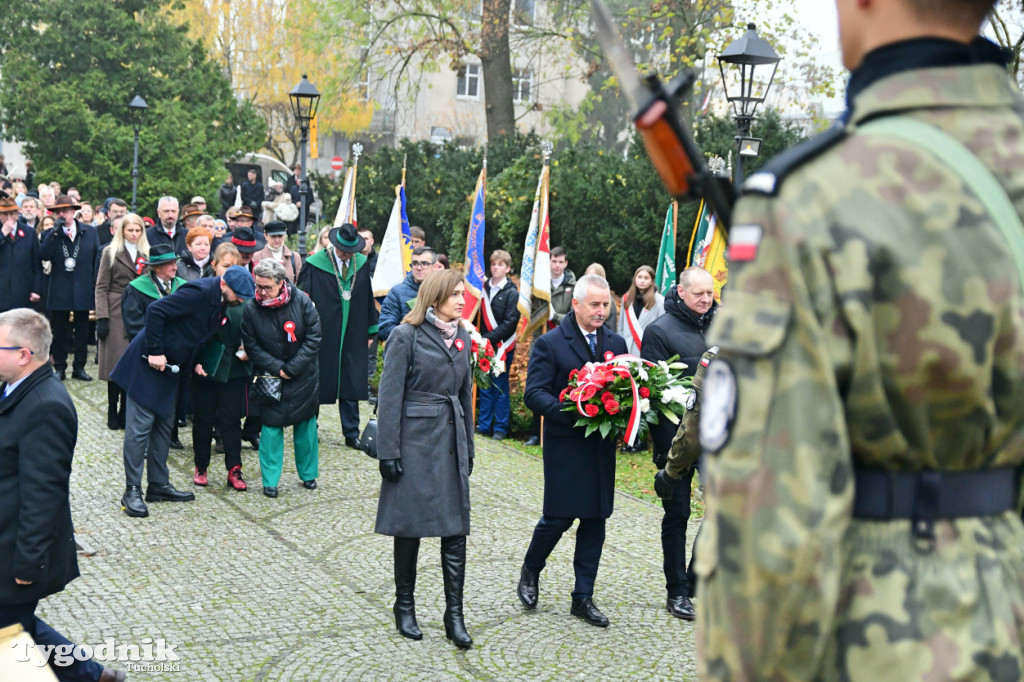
[[111, 281], [289, 258]]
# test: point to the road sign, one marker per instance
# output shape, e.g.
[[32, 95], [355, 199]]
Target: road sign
[[336, 163]]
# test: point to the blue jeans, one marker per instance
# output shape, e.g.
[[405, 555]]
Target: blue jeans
[[44, 635], [494, 406]]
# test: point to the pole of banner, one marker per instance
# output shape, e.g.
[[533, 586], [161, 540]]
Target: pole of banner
[[404, 159], [357, 151]]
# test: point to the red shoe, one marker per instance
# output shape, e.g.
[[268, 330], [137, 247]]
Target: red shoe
[[235, 478], [200, 477]]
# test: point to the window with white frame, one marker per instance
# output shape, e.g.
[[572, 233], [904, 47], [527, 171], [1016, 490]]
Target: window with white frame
[[522, 12], [469, 81], [522, 85]]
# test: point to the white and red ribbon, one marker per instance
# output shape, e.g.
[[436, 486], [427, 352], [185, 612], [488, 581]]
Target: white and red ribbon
[[489, 322], [598, 375], [289, 329]]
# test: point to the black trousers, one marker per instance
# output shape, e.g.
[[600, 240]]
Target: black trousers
[[349, 410], [673, 539], [223, 406], [70, 336], [589, 545]]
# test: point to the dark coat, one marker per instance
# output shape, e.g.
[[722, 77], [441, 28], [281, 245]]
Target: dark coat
[[113, 279], [157, 235], [176, 326], [427, 420], [21, 269], [342, 360], [226, 196], [266, 343], [189, 271], [104, 234], [135, 299], [253, 196], [72, 290], [38, 432], [579, 473], [396, 306], [506, 315], [680, 331]]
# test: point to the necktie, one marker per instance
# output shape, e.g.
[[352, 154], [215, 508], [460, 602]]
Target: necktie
[[592, 340], [344, 270]]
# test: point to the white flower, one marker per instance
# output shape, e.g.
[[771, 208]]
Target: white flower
[[642, 373], [663, 365], [497, 367], [468, 326], [645, 405]]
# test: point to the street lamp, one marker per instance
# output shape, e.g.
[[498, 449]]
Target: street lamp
[[137, 109], [305, 98], [743, 57]]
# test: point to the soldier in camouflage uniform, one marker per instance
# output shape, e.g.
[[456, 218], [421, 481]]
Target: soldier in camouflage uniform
[[865, 415]]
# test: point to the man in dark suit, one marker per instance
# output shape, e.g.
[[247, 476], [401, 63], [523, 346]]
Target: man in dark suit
[[579, 472], [74, 249], [168, 230], [253, 193], [38, 431], [116, 208], [177, 326], [21, 271]]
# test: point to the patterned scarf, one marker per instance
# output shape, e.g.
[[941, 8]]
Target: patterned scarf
[[447, 329], [276, 302]]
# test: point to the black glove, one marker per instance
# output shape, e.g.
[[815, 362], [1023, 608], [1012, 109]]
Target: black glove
[[391, 469], [660, 459], [471, 464], [102, 328], [665, 485]]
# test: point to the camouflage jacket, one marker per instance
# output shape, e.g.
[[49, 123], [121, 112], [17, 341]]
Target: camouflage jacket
[[685, 445], [873, 315]]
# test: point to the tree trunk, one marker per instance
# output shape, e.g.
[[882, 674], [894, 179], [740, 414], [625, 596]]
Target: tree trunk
[[495, 61]]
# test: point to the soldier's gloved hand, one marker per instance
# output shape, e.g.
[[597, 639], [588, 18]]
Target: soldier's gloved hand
[[660, 459], [102, 328], [391, 469], [665, 485], [471, 464]]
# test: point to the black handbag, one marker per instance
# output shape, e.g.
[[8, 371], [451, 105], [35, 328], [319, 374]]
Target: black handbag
[[368, 441], [265, 389]]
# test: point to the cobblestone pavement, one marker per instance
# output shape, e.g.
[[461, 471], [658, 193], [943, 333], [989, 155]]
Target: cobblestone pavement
[[300, 587]]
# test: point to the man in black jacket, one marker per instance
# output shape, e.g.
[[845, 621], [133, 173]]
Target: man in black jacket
[[38, 432], [21, 271], [499, 308], [253, 194], [168, 230], [689, 309], [226, 196], [116, 208]]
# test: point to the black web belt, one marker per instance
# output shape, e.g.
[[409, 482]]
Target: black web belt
[[928, 496]]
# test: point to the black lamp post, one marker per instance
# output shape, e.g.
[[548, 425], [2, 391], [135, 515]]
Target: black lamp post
[[744, 56], [305, 98], [137, 109]]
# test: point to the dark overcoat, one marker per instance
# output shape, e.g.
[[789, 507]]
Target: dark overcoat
[[176, 326], [342, 360], [267, 345], [21, 269], [426, 418], [73, 290], [156, 234], [38, 432], [111, 282], [579, 473]]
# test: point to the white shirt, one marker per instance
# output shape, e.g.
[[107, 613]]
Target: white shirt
[[132, 249], [10, 387], [495, 288], [341, 263], [71, 230], [557, 282], [585, 332]]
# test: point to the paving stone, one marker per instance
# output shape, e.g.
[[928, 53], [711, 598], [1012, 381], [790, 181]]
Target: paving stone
[[300, 587]]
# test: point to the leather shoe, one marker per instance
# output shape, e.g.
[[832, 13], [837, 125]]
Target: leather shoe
[[529, 587], [132, 502], [586, 609], [680, 607], [253, 442], [80, 375], [498, 435], [310, 484], [182, 423], [62, 374], [353, 442], [532, 440], [111, 675], [176, 444], [270, 491], [165, 492]]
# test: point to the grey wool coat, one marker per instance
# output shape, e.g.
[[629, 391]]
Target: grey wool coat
[[425, 416]]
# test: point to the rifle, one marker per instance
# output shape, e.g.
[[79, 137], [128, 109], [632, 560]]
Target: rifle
[[655, 112]]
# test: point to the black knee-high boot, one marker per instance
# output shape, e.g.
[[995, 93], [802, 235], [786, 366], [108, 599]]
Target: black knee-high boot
[[406, 550], [113, 392], [453, 566], [121, 419]]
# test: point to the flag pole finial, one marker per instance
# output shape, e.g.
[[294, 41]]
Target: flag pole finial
[[546, 147], [357, 151]]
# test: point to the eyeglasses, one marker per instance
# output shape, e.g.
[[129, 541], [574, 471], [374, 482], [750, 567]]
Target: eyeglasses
[[421, 264], [266, 288], [30, 352]]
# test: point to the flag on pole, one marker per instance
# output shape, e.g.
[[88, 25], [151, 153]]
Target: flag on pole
[[708, 247], [406, 241], [347, 207], [475, 264], [665, 275], [535, 271], [391, 269]]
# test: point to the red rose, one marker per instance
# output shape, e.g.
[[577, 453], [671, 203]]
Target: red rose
[[645, 392], [606, 396], [485, 365], [573, 373], [561, 396], [475, 347], [591, 410], [611, 407]]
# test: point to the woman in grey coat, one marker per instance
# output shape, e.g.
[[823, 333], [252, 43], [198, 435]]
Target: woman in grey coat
[[426, 449]]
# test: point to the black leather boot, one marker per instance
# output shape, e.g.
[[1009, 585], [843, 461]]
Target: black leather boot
[[113, 392], [406, 551], [453, 566]]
